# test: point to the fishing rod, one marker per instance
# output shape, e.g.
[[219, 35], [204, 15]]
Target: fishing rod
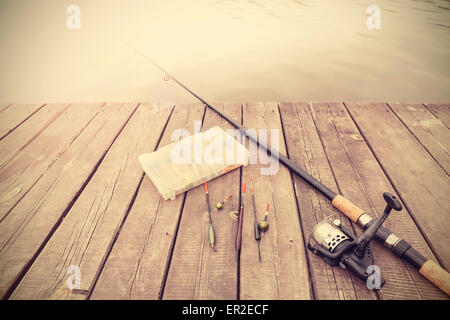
[[255, 224], [212, 238], [426, 267]]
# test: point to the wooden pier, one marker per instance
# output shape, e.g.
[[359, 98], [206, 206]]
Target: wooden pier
[[75, 203]]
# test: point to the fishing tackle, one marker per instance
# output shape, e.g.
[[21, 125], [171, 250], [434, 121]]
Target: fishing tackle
[[426, 267], [338, 246], [212, 238], [219, 205], [240, 221], [255, 224], [263, 224]]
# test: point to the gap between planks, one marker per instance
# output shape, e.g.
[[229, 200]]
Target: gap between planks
[[108, 253], [293, 184], [148, 218], [414, 207], [17, 119], [54, 228], [363, 181]]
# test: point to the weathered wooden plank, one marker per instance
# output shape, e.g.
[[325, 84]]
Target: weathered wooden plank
[[4, 106], [361, 179], [24, 231], [21, 172], [429, 130], [196, 271], [11, 116], [305, 148], [283, 270], [441, 111], [88, 230], [138, 262], [11, 145], [422, 185]]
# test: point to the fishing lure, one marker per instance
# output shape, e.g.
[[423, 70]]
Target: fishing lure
[[427, 267], [219, 205], [255, 223], [212, 238], [240, 221]]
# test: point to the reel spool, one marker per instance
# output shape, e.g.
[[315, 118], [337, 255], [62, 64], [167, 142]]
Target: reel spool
[[338, 246], [327, 234]]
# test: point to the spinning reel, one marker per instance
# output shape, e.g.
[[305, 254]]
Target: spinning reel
[[338, 246]]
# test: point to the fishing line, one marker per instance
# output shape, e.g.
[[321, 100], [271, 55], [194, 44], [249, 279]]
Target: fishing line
[[427, 267]]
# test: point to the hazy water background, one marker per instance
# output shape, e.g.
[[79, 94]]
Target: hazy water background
[[226, 50]]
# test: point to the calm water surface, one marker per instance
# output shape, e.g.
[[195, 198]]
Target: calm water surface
[[226, 50]]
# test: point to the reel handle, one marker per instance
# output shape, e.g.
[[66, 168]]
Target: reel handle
[[391, 202], [428, 269], [363, 241]]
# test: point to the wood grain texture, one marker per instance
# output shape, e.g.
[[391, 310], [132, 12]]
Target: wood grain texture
[[25, 229], [12, 144], [306, 150], [196, 271], [441, 111], [11, 116], [85, 235], [429, 130], [361, 179], [422, 185], [283, 270], [67, 198], [138, 262], [4, 106], [20, 173]]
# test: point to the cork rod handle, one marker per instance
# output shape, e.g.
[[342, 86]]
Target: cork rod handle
[[437, 275], [347, 208]]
